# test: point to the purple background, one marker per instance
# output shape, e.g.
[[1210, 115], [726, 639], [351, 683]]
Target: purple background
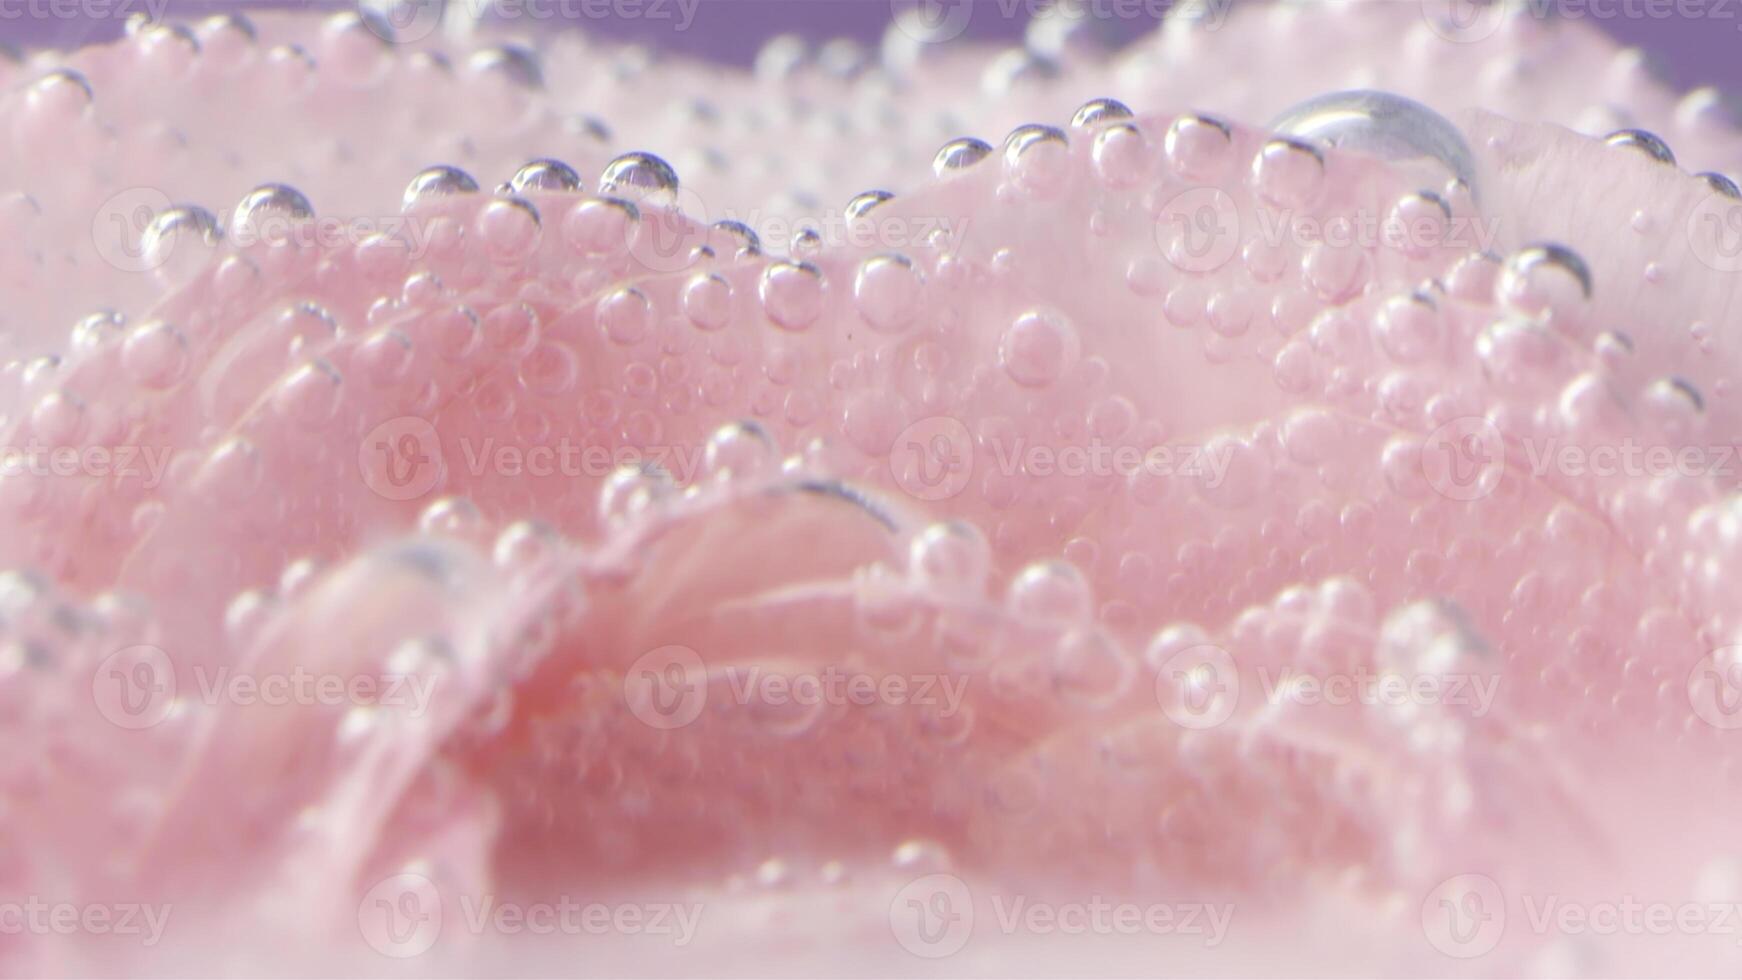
[[1688, 51]]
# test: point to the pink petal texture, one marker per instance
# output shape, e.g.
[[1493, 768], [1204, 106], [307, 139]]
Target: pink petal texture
[[522, 504]]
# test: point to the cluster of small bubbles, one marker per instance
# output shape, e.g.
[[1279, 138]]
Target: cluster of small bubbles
[[96, 329], [631, 491]]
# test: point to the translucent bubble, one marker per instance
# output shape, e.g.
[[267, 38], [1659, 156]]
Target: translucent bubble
[[1097, 111], [1038, 347], [96, 329], [1545, 280], [625, 315], [1090, 669], [952, 556], [155, 354], [1721, 184], [437, 181], [792, 294], [632, 491], [742, 449], [959, 155], [748, 243], [180, 240], [1288, 172], [861, 204], [451, 516], [265, 209], [1037, 158], [514, 63], [888, 292], [1051, 590], [640, 176], [1646, 143], [707, 301], [1198, 146], [545, 175], [1400, 131]]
